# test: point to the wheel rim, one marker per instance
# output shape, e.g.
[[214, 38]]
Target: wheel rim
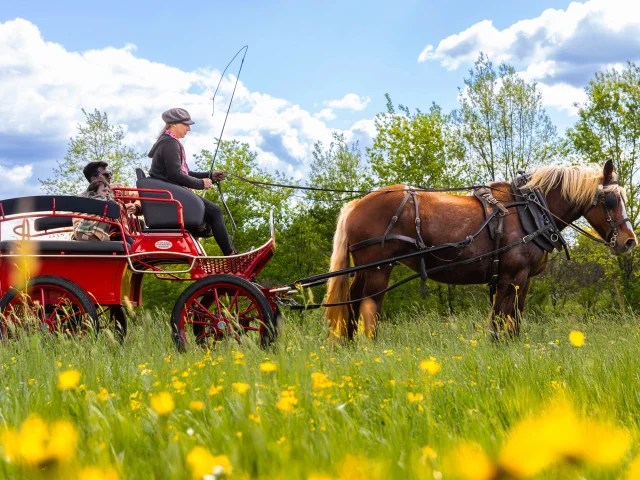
[[53, 309], [219, 311]]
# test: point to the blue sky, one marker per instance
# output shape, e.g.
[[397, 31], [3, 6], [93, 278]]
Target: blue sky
[[312, 66]]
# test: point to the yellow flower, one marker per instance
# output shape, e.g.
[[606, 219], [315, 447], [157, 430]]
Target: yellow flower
[[68, 380], [428, 452], [287, 401], [414, 397], [634, 469], [95, 473], [268, 367], [430, 366], [576, 338], [240, 388], [163, 403], [320, 381], [37, 444], [469, 462], [201, 462], [104, 394], [215, 390], [196, 405]]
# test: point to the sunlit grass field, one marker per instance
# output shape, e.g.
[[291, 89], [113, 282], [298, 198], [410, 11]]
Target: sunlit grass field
[[431, 398]]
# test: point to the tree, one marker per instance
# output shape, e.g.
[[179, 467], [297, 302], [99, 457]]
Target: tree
[[503, 122], [97, 140], [608, 128], [420, 149]]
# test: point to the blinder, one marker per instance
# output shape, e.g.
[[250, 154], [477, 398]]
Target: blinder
[[610, 201]]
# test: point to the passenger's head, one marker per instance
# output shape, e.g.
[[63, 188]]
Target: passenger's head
[[97, 170], [177, 121], [99, 187]]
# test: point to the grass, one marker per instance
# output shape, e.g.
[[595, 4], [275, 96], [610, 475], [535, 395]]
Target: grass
[[351, 415]]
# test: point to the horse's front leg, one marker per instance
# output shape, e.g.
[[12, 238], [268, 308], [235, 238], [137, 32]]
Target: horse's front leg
[[505, 316]]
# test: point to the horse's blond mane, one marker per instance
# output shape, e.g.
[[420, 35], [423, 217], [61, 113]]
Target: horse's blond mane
[[578, 184]]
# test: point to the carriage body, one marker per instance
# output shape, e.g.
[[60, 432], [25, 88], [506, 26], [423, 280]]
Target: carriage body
[[47, 270]]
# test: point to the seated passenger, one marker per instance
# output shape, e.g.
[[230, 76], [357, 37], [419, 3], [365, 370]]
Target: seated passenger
[[95, 230], [169, 164], [100, 170]]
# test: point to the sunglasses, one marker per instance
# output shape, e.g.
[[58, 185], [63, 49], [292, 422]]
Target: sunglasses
[[107, 175]]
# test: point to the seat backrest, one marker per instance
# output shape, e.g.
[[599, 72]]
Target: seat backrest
[[165, 215], [140, 174], [61, 203], [52, 223]]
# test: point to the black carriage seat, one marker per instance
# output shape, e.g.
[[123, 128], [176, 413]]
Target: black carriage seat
[[67, 204], [140, 174], [164, 216], [57, 247]]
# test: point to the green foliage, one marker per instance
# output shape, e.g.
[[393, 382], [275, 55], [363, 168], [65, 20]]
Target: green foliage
[[420, 149], [503, 122], [97, 140]]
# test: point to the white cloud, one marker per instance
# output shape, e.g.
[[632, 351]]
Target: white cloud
[[326, 114], [561, 49], [350, 101], [44, 87]]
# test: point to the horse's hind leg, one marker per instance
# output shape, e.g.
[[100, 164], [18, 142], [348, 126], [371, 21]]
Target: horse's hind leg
[[355, 293], [375, 281]]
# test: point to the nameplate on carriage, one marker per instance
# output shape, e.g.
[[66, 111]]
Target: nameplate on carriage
[[164, 244]]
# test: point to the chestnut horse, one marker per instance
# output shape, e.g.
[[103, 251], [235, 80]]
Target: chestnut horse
[[571, 192]]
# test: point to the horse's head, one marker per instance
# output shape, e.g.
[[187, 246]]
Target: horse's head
[[607, 213]]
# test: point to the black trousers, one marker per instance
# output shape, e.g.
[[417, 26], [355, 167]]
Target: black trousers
[[214, 218]]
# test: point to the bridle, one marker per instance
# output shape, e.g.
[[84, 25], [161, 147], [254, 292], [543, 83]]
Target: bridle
[[609, 201]]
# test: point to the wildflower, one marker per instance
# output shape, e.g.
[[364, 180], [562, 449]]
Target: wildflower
[[68, 380], [162, 403], [414, 397], [430, 366], [428, 452], [287, 401], [469, 462], [281, 440], [104, 394], [634, 470], [254, 418], [202, 463], [240, 388], [576, 338], [37, 444], [196, 405], [474, 343], [214, 390], [268, 367], [320, 381], [95, 473]]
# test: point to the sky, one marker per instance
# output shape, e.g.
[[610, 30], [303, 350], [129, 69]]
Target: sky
[[312, 67]]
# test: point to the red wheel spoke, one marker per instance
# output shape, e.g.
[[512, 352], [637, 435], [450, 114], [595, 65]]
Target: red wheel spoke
[[55, 309], [252, 307], [251, 329], [234, 302], [215, 294], [205, 310]]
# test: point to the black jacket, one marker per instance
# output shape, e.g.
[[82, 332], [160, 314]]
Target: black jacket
[[166, 164]]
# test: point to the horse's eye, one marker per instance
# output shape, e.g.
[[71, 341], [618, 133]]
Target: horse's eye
[[611, 201]]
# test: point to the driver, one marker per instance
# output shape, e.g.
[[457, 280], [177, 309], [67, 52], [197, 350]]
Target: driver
[[169, 164]]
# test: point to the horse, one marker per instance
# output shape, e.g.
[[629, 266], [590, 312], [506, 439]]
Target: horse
[[438, 218]]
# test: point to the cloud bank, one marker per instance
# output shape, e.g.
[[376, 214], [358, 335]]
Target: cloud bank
[[561, 49], [44, 86]]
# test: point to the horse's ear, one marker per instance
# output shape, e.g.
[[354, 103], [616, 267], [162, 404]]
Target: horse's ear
[[607, 172]]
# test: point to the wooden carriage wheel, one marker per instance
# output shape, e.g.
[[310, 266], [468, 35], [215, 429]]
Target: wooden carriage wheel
[[222, 306], [48, 303]]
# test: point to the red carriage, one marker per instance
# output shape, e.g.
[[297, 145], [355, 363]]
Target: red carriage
[[75, 286]]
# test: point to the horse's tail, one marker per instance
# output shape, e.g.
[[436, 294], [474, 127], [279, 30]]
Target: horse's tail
[[338, 287]]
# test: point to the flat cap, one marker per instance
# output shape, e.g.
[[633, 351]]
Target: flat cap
[[177, 115]]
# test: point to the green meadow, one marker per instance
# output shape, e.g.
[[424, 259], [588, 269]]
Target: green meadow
[[433, 397]]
